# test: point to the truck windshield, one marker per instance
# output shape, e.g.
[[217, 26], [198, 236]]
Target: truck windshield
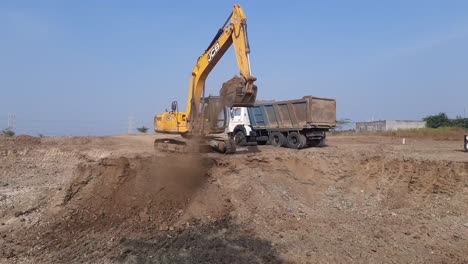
[[237, 112]]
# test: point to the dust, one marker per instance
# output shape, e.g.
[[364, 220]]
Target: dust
[[114, 197], [139, 190]]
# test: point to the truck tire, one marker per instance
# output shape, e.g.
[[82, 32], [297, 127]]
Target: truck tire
[[466, 143], [317, 143], [277, 139], [294, 140], [240, 139], [303, 141]]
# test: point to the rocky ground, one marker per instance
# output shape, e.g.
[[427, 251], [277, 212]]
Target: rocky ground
[[360, 199]]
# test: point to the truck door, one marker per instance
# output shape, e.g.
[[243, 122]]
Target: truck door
[[236, 118]]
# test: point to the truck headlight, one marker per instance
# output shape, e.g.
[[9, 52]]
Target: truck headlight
[[466, 137]]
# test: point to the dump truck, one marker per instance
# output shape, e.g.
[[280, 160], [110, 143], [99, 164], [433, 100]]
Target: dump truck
[[294, 123]]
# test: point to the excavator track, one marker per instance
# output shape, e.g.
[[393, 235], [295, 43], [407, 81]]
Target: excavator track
[[171, 146], [230, 146], [194, 146]]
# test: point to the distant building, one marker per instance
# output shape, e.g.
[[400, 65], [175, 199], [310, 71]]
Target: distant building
[[388, 125]]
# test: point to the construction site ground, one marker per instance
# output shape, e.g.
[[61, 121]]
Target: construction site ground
[[360, 199]]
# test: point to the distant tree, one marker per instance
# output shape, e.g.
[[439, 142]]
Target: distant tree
[[40, 135], [340, 123], [8, 132], [435, 121], [441, 120], [460, 122], [142, 129]]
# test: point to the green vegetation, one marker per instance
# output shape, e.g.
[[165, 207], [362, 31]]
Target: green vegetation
[[442, 120], [8, 132], [142, 129]]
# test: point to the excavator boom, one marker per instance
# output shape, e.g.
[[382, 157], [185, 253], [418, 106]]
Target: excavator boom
[[233, 32]]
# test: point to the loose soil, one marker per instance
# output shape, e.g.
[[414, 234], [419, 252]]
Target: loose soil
[[360, 199]]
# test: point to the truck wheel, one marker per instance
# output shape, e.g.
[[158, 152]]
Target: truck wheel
[[303, 141], [277, 139], [294, 140], [466, 143], [240, 138], [315, 143]]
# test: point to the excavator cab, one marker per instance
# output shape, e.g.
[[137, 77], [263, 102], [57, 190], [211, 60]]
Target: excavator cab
[[211, 111], [214, 115]]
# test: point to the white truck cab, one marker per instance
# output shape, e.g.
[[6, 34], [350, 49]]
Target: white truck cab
[[239, 122]]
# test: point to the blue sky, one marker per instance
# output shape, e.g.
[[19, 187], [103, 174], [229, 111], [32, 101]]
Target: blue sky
[[84, 67]]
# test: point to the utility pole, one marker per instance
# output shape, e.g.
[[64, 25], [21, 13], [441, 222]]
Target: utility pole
[[131, 122], [11, 121]]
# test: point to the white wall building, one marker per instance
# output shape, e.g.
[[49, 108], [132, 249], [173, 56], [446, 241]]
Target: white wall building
[[388, 125]]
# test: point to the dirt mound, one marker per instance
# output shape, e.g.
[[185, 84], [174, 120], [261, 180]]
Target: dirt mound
[[115, 197], [21, 141], [148, 190], [27, 139], [395, 182]]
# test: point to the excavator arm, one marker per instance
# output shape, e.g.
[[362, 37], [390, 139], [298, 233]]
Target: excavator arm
[[233, 32]]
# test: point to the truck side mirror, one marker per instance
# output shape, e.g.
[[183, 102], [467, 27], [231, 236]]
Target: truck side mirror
[[231, 111]]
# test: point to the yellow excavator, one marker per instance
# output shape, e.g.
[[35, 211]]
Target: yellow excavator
[[205, 116]]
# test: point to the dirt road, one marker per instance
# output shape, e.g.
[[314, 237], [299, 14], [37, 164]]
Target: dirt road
[[361, 199]]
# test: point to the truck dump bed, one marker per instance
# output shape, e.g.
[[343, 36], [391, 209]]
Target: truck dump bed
[[308, 112]]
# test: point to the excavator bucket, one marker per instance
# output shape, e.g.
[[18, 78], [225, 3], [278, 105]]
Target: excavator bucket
[[238, 92]]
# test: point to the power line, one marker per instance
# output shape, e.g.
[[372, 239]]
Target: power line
[[131, 124], [11, 121]]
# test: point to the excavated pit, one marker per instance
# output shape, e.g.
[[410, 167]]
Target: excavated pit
[[127, 210], [277, 205]]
